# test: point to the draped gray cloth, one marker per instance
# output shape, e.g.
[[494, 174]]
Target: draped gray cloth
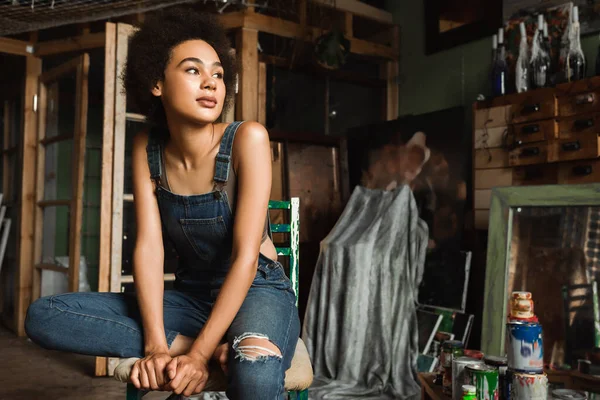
[[361, 325]]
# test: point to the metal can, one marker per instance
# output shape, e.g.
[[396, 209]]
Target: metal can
[[529, 386], [447, 382], [501, 363], [485, 380], [458, 375], [569, 394], [525, 347], [451, 349]]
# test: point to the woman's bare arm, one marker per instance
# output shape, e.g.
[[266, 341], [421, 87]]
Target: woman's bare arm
[[148, 255], [253, 159]]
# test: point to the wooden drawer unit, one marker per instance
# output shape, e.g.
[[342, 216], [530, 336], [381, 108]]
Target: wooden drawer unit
[[490, 178], [490, 158], [533, 131], [574, 127], [579, 103], [584, 146], [534, 106], [585, 171], [491, 117], [487, 138], [542, 174], [528, 154]]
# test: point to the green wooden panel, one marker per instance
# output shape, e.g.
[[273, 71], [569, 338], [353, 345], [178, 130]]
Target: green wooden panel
[[283, 251], [279, 205], [504, 200], [280, 228]]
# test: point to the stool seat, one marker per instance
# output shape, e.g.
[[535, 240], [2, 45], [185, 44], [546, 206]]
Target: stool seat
[[297, 378]]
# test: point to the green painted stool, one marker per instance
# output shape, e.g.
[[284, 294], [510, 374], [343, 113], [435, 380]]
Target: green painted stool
[[299, 377]]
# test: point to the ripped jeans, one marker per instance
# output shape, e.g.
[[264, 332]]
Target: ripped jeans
[[109, 324]]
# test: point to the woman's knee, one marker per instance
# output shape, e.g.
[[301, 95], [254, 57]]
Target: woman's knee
[[256, 370], [36, 320]]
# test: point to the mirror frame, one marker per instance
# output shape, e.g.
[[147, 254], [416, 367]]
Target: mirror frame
[[503, 202]]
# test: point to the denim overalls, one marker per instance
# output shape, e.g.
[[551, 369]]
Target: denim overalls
[[200, 228]]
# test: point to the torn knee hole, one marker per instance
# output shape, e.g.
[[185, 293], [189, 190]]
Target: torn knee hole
[[253, 347]]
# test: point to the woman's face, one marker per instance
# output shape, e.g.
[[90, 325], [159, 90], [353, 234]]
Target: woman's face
[[193, 88]]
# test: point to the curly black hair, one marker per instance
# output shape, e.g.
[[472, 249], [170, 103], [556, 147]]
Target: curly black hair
[[150, 50]]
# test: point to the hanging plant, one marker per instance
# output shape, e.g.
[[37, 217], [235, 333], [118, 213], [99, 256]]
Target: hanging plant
[[332, 49]]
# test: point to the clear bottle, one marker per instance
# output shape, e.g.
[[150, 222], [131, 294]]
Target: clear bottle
[[575, 59], [540, 58], [499, 68], [522, 66]]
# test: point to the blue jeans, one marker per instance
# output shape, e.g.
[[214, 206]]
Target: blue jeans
[[109, 325]]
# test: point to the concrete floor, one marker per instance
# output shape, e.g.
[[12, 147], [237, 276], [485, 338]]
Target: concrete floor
[[28, 372]]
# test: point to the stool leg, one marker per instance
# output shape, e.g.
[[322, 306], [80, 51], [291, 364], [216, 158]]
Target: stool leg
[[303, 395]]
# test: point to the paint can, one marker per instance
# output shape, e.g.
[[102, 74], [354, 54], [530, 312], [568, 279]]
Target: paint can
[[459, 377], [525, 347], [529, 386], [508, 379], [485, 380], [568, 394], [501, 363], [521, 305]]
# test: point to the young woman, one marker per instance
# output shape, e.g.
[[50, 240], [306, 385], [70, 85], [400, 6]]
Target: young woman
[[204, 186]]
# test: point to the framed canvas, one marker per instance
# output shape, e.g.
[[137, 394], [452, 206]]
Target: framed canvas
[[541, 239]]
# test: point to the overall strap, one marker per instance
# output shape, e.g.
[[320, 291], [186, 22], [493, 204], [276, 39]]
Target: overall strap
[[154, 155], [223, 159]]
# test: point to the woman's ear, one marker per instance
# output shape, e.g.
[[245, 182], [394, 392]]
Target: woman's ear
[[157, 89]]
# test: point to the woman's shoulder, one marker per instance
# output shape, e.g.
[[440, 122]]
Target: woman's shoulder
[[250, 133]]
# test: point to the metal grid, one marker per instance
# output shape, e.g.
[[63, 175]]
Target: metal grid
[[18, 16]]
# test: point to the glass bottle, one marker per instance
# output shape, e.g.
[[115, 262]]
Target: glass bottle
[[575, 58], [499, 68], [540, 58], [522, 66]]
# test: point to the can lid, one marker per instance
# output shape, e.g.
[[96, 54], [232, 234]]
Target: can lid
[[453, 344], [496, 361], [468, 389], [521, 295], [480, 367]]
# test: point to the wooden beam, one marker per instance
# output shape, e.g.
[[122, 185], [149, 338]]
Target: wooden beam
[[359, 8], [289, 29], [25, 261], [76, 43], [123, 32], [246, 104], [110, 83], [262, 93], [110, 87], [61, 70], [38, 231], [16, 47], [233, 20], [76, 208]]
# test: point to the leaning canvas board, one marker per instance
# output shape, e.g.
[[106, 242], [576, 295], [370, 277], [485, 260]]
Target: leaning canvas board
[[429, 324]]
